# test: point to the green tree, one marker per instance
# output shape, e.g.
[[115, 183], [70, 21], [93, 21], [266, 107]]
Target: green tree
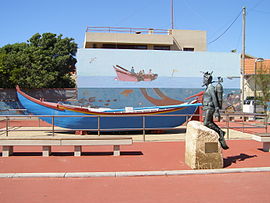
[[4, 77], [45, 61], [262, 80]]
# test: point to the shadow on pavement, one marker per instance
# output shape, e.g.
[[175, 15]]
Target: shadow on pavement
[[233, 159], [122, 153]]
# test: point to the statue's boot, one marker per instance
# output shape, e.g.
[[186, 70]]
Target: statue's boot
[[222, 140], [221, 135]]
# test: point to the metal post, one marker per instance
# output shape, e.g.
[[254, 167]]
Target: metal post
[[144, 128], [7, 124], [243, 52], [172, 15], [52, 125], [243, 120], [227, 121], [255, 87], [265, 123], [98, 125]]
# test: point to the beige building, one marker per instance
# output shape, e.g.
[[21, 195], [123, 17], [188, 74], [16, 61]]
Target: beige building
[[145, 38]]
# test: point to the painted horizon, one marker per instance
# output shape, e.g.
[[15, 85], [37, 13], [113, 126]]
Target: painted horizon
[[161, 82]]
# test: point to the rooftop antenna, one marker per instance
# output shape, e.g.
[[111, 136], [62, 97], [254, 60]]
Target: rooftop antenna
[[172, 15]]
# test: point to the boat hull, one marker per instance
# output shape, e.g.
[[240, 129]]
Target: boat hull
[[71, 118], [122, 76], [125, 75]]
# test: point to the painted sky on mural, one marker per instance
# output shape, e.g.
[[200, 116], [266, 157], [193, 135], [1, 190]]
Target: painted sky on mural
[[174, 69], [100, 62], [21, 19]]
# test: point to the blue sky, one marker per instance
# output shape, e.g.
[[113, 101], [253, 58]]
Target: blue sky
[[20, 19]]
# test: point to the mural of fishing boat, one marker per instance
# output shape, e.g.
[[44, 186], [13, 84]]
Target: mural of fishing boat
[[129, 118], [126, 75]]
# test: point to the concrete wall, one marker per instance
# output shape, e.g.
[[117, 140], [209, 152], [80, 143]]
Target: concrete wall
[[125, 38], [190, 39], [179, 76], [176, 39]]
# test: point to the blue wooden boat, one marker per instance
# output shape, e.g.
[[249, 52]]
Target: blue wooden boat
[[73, 117]]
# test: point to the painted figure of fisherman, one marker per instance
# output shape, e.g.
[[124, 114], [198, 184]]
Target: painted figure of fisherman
[[132, 70], [211, 106]]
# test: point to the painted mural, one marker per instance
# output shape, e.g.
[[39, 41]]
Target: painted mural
[[116, 78]]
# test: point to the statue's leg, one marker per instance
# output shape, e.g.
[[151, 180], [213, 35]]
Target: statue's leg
[[221, 137], [208, 122]]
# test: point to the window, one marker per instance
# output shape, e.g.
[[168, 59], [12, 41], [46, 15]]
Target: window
[[161, 47], [188, 49], [109, 46], [127, 46], [123, 46]]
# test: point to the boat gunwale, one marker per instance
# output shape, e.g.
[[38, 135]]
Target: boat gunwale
[[147, 112]]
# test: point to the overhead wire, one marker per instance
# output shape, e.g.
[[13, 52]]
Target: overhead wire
[[260, 11], [256, 5], [226, 29]]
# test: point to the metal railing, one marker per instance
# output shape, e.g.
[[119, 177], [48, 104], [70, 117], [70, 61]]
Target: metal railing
[[244, 121], [7, 119], [226, 122], [128, 30]]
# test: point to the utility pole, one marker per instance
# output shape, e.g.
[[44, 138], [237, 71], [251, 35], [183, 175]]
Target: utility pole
[[243, 53], [172, 15]]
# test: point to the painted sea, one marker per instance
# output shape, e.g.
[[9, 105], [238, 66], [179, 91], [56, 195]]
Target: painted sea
[[136, 97]]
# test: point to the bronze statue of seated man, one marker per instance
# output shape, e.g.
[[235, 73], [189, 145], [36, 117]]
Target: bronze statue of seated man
[[211, 106]]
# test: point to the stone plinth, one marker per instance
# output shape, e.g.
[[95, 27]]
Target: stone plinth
[[203, 150]]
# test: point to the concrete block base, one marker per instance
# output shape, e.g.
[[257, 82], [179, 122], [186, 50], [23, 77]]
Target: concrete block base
[[203, 150]]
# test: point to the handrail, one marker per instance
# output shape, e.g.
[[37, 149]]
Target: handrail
[[144, 129], [127, 30]]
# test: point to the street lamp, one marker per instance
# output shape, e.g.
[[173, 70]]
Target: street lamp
[[255, 81]]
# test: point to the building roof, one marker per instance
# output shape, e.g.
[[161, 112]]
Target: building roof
[[145, 38], [251, 69]]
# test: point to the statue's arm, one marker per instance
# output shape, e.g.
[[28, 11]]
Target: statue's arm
[[215, 102], [214, 98]]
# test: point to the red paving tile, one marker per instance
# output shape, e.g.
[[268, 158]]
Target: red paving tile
[[148, 156], [239, 187], [24, 123]]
